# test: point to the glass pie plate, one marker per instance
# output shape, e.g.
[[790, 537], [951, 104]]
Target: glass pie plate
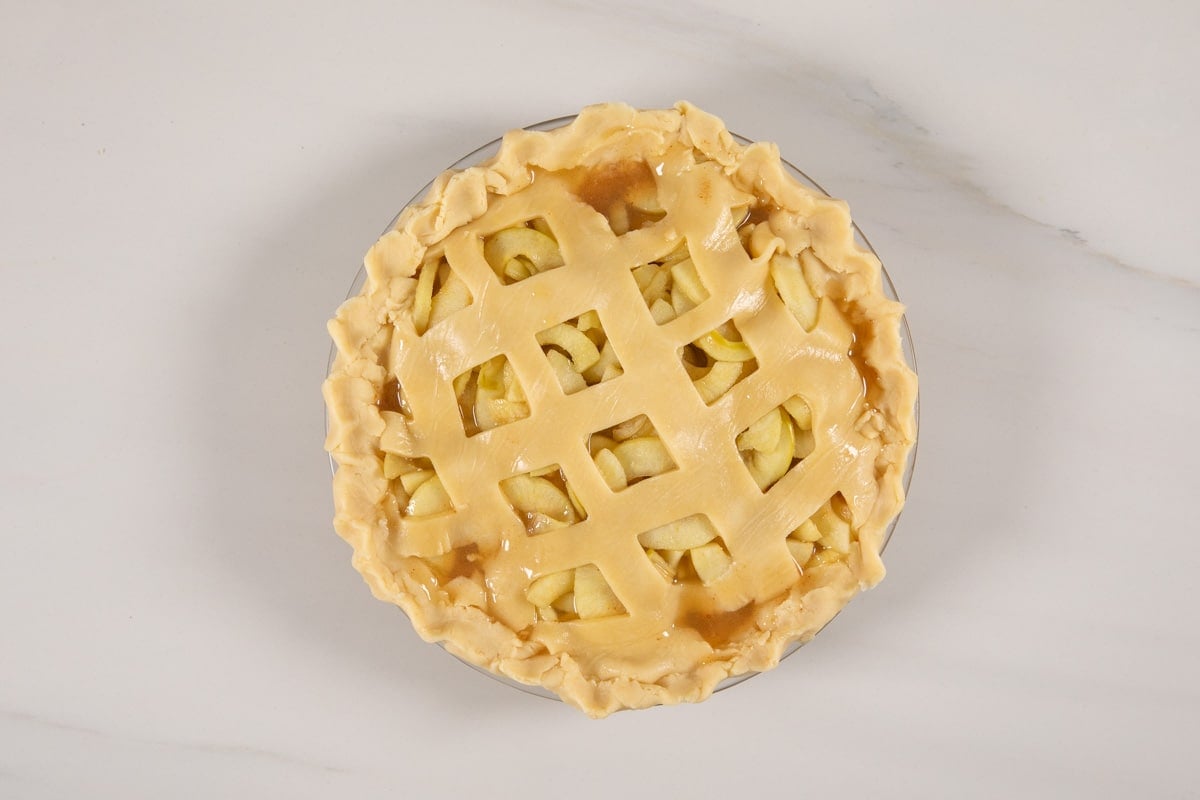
[[490, 149]]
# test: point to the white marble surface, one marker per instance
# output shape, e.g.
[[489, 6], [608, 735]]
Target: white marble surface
[[186, 192]]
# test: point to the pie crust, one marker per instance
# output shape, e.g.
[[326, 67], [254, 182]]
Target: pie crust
[[694, 526]]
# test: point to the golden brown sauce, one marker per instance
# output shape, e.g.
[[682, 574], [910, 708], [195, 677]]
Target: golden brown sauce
[[466, 405], [609, 187], [463, 564], [391, 398], [694, 356], [760, 212], [639, 218], [601, 187], [718, 628]]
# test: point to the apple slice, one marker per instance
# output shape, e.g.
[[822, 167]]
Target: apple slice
[[661, 311], [807, 532], [800, 411], [721, 349], [534, 247], [453, 296], [611, 470], [767, 467], [835, 531], [710, 562], [530, 495], [718, 380], [429, 498], [801, 551], [793, 289], [660, 564], [570, 380], [593, 596], [545, 590], [643, 457], [395, 465], [604, 367], [682, 534], [631, 428], [574, 342], [415, 478], [763, 434]]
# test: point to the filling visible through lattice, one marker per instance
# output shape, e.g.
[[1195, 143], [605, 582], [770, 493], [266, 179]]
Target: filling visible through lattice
[[717, 361], [629, 452], [670, 285], [687, 550], [825, 537], [490, 395], [416, 485], [522, 251], [438, 294], [579, 593], [777, 441], [543, 500], [579, 352]]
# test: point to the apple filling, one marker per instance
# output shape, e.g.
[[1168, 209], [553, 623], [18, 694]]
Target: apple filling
[[825, 537], [629, 452], [489, 395], [522, 251], [579, 352], [687, 549], [777, 441], [670, 285], [717, 361], [543, 500]]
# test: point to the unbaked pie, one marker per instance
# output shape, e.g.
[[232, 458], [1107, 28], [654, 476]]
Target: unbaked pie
[[621, 411]]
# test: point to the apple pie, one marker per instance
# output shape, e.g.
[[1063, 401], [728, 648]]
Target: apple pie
[[621, 411]]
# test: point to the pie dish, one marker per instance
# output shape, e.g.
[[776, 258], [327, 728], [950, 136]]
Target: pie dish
[[621, 411]]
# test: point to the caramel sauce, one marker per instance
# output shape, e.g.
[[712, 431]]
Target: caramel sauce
[[609, 187], [718, 628], [463, 564], [760, 212], [601, 187], [693, 355], [640, 218], [391, 398], [466, 406]]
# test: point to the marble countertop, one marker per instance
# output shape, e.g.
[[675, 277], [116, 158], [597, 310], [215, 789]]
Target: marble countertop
[[187, 191]]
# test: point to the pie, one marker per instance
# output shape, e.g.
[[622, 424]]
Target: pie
[[621, 411]]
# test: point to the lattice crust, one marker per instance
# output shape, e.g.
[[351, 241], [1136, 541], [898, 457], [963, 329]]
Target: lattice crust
[[763, 479]]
